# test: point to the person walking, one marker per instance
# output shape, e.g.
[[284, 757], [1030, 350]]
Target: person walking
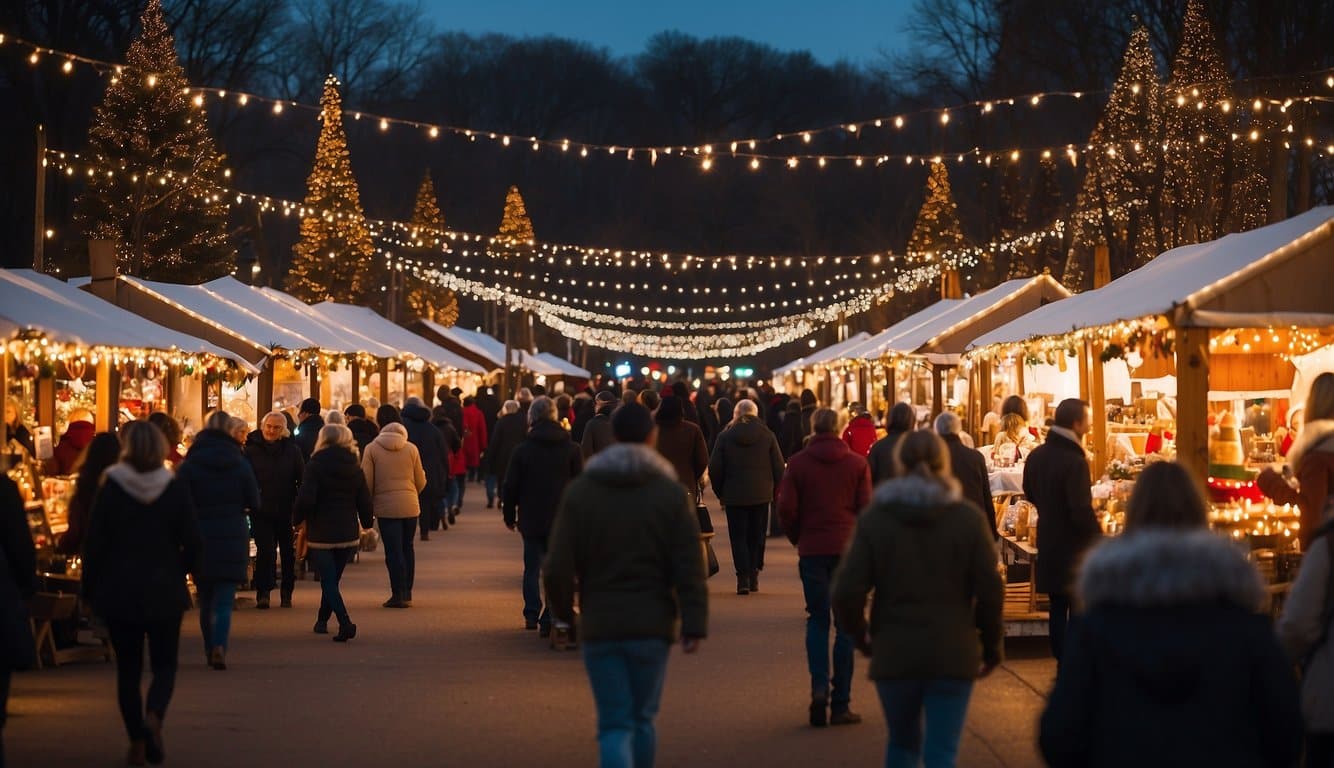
[[431, 449], [18, 583], [598, 434], [1057, 482], [745, 469], [824, 489], [141, 542], [79, 433], [511, 428], [538, 473], [309, 421], [475, 438], [860, 433], [935, 622], [101, 453], [276, 461], [881, 456], [171, 428], [363, 429], [682, 444], [1172, 629], [395, 477], [627, 541], [1312, 460], [790, 439], [334, 503], [224, 491], [453, 443], [490, 404], [969, 468], [1305, 629]]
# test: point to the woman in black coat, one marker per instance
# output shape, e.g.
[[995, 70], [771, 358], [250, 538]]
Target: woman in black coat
[[141, 541], [223, 486], [335, 505], [1172, 632]]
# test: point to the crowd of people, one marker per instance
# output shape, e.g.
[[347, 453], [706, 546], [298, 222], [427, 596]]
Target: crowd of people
[[606, 490]]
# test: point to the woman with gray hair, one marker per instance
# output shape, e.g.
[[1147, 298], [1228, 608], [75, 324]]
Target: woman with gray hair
[[746, 468], [969, 468], [277, 462]]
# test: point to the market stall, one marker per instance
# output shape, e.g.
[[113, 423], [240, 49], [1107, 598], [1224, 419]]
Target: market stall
[[819, 373]]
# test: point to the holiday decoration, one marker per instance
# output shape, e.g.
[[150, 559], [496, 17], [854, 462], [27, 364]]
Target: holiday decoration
[[937, 229], [167, 224], [428, 299], [515, 226], [335, 257]]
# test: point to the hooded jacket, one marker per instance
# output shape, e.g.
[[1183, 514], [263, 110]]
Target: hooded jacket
[[142, 540], [67, 452], [537, 475], [307, 433], [746, 465], [1171, 632], [860, 435], [394, 473], [277, 466], [626, 535], [430, 448], [510, 431], [18, 558], [334, 502], [1304, 625], [1312, 460], [224, 490], [925, 552], [1056, 481], [824, 489]]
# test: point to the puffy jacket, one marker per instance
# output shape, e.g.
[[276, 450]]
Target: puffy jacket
[[224, 491], [430, 448], [746, 465], [824, 489], [860, 435], [334, 503], [394, 473], [1312, 460], [537, 475], [277, 466]]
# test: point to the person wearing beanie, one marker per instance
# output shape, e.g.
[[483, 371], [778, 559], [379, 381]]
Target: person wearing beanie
[[363, 429], [309, 422], [626, 535], [598, 434]]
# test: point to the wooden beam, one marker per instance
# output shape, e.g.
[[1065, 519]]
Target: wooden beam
[[984, 386], [428, 386], [1085, 367], [1192, 348], [104, 412], [937, 391], [1098, 406], [264, 390], [46, 404], [384, 381], [314, 372]]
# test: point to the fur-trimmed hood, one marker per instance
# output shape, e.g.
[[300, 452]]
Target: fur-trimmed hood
[[1163, 568], [143, 487], [912, 497], [1315, 436], [392, 437], [629, 463]]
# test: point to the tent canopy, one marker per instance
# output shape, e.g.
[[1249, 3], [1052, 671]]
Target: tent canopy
[[946, 335], [66, 314], [297, 317], [875, 346], [395, 336], [825, 355], [563, 366], [476, 342]]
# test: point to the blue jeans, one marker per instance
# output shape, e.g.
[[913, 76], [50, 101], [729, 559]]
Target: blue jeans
[[329, 564], [453, 495], [626, 677], [399, 558], [944, 704], [492, 484], [817, 574], [215, 612], [534, 552]]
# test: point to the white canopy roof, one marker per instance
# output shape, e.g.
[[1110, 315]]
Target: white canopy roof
[[64, 313], [476, 342], [824, 355], [1175, 283], [292, 314], [563, 366], [219, 311], [395, 336], [875, 346]]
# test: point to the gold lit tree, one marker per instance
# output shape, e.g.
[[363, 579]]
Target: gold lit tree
[[937, 230], [427, 299], [334, 258], [515, 226], [157, 199]]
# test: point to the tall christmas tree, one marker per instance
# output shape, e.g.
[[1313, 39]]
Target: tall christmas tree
[[155, 192], [335, 258], [515, 226], [1045, 206], [1012, 218], [937, 230], [426, 299], [1119, 204]]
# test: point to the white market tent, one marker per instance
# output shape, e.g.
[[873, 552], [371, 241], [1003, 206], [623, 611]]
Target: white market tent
[[476, 343], [563, 367], [875, 346], [393, 335], [828, 354], [290, 313]]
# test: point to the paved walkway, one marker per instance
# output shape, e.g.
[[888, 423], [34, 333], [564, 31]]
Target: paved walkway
[[456, 681]]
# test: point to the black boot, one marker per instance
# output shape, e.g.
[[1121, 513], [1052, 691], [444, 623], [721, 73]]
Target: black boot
[[345, 632], [262, 601], [286, 599], [754, 581], [819, 712]]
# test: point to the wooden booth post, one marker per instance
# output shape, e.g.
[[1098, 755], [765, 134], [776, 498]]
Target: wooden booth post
[[384, 381], [428, 386], [1098, 407], [314, 371], [891, 386], [108, 396], [355, 367], [46, 404], [937, 391], [1192, 349], [404, 366], [264, 390], [983, 397]]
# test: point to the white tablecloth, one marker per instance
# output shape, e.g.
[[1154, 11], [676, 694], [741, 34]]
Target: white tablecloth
[[1008, 480]]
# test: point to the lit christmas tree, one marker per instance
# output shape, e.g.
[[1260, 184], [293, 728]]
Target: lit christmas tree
[[335, 258], [1045, 206], [1119, 204], [159, 202], [515, 226], [426, 299], [937, 229], [1013, 216]]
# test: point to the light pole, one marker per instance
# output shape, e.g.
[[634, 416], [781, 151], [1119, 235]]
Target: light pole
[[247, 264]]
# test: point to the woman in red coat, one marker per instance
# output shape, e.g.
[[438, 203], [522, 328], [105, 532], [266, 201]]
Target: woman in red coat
[[474, 436], [860, 434]]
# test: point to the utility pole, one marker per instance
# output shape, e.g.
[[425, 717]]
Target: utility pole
[[39, 209]]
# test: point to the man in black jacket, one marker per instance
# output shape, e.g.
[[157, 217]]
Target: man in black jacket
[[278, 464], [435, 462], [537, 475], [969, 468], [1057, 482], [510, 431], [309, 423], [598, 434], [363, 429], [881, 457], [18, 566]]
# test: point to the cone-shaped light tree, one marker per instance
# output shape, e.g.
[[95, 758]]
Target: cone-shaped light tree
[[426, 299], [159, 200], [937, 228], [515, 226], [334, 257]]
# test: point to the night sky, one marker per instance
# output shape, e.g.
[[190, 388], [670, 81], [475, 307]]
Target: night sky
[[855, 30]]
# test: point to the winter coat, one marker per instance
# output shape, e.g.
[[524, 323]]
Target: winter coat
[[627, 537], [394, 473], [474, 435], [142, 540], [430, 446], [682, 444], [746, 465], [860, 435], [807, 413], [224, 491], [881, 456], [489, 405], [334, 502], [1312, 461], [16, 540], [936, 613], [790, 439], [1056, 481], [541, 467], [598, 434], [707, 418], [1171, 633], [1304, 625], [364, 431], [67, 452], [511, 430], [307, 433], [454, 410], [584, 409], [970, 469], [824, 489], [277, 466]]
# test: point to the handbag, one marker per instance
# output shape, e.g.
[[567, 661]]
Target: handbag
[[706, 532]]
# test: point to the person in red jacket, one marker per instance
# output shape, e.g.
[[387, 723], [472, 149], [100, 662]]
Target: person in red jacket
[[824, 489], [77, 436], [860, 434], [474, 437]]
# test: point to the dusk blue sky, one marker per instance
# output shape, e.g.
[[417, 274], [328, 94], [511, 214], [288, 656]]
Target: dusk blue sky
[[856, 30]]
